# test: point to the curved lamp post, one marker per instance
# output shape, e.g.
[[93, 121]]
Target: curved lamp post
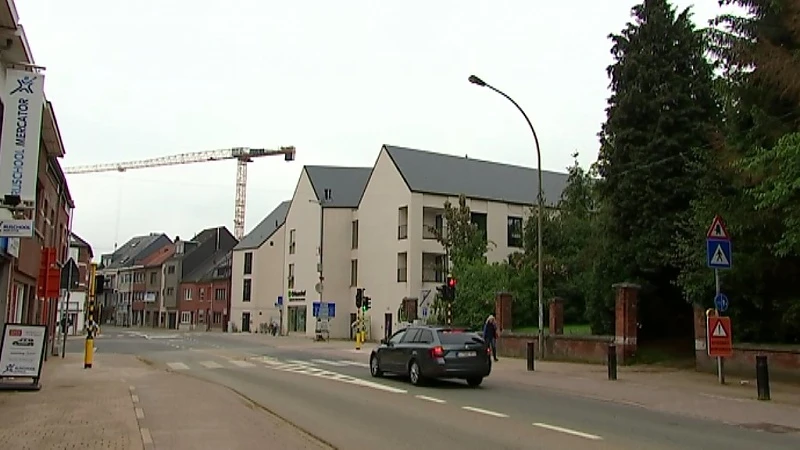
[[540, 208]]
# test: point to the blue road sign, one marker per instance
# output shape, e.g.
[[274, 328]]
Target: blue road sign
[[280, 300], [331, 309], [718, 253], [721, 302]]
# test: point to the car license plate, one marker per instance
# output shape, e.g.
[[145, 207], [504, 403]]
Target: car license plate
[[466, 354]]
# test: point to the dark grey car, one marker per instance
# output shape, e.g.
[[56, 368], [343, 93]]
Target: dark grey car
[[423, 352]]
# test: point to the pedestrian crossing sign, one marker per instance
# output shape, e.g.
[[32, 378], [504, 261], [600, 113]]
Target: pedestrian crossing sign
[[718, 253]]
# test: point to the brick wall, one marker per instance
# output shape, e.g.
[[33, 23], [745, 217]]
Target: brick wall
[[591, 349], [784, 361]]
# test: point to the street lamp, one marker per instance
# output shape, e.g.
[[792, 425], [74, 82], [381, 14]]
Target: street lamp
[[540, 208]]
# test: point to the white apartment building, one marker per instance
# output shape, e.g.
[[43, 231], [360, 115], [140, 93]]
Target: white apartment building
[[257, 276], [374, 226]]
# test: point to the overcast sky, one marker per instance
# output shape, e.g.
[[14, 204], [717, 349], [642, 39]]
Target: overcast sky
[[337, 79]]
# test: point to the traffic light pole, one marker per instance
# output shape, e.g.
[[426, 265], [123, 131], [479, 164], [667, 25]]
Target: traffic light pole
[[88, 351]]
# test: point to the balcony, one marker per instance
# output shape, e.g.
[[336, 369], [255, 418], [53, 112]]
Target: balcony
[[432, 275], [433, 268], [432, 222], [430, 231]]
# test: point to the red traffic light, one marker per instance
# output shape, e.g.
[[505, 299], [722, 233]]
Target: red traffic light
[[451, 282]]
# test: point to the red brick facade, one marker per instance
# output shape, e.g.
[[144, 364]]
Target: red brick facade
[[201, 299]]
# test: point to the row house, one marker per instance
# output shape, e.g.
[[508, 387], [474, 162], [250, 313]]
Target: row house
[[205, 294], [374, 228], [187, 263], [146, 288]]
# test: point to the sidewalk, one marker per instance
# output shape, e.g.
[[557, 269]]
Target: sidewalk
[[121, 404]]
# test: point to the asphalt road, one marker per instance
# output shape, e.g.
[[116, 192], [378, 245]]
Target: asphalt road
[[330, 394]]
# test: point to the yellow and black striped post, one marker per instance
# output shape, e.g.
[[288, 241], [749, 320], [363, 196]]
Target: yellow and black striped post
[[88, 352]]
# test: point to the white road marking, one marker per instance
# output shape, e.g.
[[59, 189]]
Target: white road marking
[[328, 362], [484, 411], [380, 387], [211, 364], [177, 366], [568, 431], [135, 398], [430, 399], [139, 413], [268, 360], [355, 363], [297, 361], [147, 439], [302, 367], [243, 364]]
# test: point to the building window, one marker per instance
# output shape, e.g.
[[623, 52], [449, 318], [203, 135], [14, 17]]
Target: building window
[[170, 292], [479, 219], [202, 293], [292, 246], [353, 272], [217, 318], [170, 270], [219, 294], [402, 267], [354, 235], [186, 317], [248, 263], [247, 290], [514, 233], [153, 276], [187, 294], [290, 278]]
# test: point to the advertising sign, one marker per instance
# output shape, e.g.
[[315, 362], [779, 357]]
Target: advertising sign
[[22, 350], [19, 142], [15, 228]]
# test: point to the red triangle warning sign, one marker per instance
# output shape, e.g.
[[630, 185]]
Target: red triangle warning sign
[[719, 331], [717, 229]]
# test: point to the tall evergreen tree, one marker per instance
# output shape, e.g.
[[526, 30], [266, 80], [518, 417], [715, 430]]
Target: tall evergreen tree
[[660, 114]]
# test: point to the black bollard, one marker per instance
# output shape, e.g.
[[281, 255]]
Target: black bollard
[[612, 362], [762, 377], [531, 349]]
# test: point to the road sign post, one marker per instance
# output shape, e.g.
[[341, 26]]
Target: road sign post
[[720, 337], [718, 256]]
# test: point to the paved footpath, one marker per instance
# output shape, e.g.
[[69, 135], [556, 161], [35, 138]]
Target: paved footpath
[[122, 403], [657, 388]]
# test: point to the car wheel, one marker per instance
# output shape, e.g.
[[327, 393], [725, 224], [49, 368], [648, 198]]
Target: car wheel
[[475, 381], [374, 367], [415, 374]]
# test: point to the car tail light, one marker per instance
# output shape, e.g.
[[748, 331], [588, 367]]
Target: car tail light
[[489, 351], [437, 352]]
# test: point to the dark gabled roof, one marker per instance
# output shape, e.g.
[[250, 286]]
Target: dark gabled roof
[[206, 234], [346, 184], [264, 230], [134, 249], [436, 173], [77, 241], [206, 269]]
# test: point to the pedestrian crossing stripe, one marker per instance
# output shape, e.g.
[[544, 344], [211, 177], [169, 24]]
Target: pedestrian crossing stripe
[[719, 257], [719, 331]]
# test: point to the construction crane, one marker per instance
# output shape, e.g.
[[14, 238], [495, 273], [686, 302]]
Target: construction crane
[[242, 155]]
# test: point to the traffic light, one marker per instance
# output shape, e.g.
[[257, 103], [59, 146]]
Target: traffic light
[[359, 297], [451, 288], [367, 303]]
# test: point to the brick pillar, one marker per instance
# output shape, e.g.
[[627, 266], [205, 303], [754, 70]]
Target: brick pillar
[[626, 320], [556, 315], [701, 359], [502, 311]]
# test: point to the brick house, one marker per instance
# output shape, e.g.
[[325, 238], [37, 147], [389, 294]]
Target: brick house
[[205, 294], [148, 303]]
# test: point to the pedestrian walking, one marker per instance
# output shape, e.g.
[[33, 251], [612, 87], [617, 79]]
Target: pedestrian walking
[[490, 334]]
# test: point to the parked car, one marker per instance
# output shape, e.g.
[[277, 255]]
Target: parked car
[[424, 352]]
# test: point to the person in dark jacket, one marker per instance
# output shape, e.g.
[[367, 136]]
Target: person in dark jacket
[[490, 335]]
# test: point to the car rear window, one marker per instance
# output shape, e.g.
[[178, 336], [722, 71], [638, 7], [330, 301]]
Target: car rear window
[[458, 338]]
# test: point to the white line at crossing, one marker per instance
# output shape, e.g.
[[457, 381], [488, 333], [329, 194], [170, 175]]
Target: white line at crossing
[[177, 366], [211, 364]]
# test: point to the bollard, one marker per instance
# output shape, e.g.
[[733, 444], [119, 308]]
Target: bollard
[[762, 377], [531, 354], [612, 362], [88, 355]]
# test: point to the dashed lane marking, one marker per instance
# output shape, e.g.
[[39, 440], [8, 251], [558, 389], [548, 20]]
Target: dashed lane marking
[[484, 411], [430, 399], [297, 361], [329, 362], [177, 366], [236, 362], [139, 413], [147, 438], [211, 364], [134, 398], [568, 431], [356, 363]]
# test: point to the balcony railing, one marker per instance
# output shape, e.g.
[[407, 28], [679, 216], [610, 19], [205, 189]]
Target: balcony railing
[[433, 275], [430, 231], [402, 275], [402, 232]]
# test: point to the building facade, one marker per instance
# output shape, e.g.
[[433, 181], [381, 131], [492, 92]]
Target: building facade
[[148, 301], [205, 294], [71, 305], [376, 229], [257, 276]]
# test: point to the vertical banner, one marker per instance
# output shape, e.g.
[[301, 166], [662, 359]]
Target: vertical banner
[[23, 101]]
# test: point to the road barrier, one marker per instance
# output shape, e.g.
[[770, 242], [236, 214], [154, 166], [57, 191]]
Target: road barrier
[[762, 377], [612, 362]]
